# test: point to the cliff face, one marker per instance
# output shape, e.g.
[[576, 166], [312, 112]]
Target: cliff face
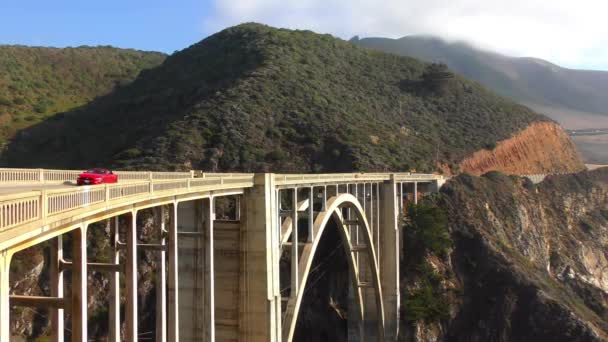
[[542, 147], [529, 261]]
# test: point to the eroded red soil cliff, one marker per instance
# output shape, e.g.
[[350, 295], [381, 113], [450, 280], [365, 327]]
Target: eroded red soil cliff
[[543, 147]]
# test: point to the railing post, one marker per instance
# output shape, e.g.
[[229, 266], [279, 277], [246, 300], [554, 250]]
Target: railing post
[[43, 204], [79, 284], [4, 297], [114, 319], [56, 274], [161, 284], [415, 192], [41, 175], [131, 284], [173, 291]]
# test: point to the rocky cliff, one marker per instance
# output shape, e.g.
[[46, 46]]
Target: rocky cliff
[[528, 262], [542, 147]]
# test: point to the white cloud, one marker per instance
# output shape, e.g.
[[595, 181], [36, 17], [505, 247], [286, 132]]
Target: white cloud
[[567, 32]]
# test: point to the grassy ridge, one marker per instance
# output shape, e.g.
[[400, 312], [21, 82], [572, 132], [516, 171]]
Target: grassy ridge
[[38, 82], [257, 98]]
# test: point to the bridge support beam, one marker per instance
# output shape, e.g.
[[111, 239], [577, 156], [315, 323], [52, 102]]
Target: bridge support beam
[[389, 263], [56, 288], [114, 321], [79, 284], [5, 261], [131, 284], [209, 216], [260, 291], [161, 281], [173, 291]]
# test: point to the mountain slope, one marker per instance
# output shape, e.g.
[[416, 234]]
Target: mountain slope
[[576, 98], [38, 82], [256, 98], [528, 261]]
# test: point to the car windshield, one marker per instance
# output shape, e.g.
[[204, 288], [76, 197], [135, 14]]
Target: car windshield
[[97, 171]]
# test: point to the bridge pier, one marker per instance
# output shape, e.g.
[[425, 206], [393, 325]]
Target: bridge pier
[[173, 285], [131, 283], [56, 273], [114, 319], [208, 211], [260, 318], [79, 284], [161, 279], [389, 263], [5, 261]]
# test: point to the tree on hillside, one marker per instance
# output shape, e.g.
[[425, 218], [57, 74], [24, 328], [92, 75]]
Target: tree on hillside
[[437, 76]]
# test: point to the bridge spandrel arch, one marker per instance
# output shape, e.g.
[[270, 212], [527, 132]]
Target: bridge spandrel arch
[[333, 210]]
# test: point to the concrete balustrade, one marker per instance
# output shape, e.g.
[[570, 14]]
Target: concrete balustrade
[[19, 209], [29, 176]]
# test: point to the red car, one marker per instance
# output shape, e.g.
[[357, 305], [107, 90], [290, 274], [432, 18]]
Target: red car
[[96, 176]]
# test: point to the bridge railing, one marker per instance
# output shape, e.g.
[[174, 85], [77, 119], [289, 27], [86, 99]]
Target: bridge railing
[[294, 179], [26, 176], [11, 175], [21, 208]]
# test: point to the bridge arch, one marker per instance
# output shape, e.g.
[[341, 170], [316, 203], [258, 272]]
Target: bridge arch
[[334, 210]]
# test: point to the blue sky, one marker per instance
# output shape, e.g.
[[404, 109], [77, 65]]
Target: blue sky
[[571, 34], [147, 25]]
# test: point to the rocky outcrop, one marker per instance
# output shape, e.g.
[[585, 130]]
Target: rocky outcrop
[[543, 147], [529, 261]]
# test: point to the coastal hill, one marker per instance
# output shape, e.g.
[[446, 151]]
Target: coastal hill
[[39, 82], [257, 98], [575, 98]]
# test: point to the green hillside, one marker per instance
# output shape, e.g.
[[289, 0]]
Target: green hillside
[[257, 98], [565, 93], [38, 82]]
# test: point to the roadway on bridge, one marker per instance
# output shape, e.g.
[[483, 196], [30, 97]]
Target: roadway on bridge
[[7, 189]]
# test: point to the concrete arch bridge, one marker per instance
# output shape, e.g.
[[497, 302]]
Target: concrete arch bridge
[[219, 275]]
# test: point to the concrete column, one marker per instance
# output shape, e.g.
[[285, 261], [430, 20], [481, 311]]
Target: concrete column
[[114, 320], [279, 209], [389, 243], [415, 192], [209, 214], [376, 198], [79, 284], [401, 196], [324, 198], [57, 323], [4, 297], [131, 283], [295, 284], [173, 285], [311, 214], [161, 281], [260, 317]]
